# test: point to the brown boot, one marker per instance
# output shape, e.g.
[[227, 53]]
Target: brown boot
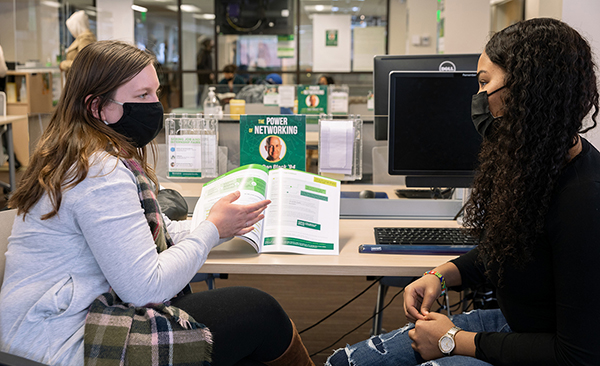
[[295, 355]]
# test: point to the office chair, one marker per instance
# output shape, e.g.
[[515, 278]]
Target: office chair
[[6, 221], [384, 285]]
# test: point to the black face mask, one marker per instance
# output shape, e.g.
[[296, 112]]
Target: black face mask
[[480, 112], [140, 123]]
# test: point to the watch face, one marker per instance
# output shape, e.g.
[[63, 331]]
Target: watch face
[[446, 344]]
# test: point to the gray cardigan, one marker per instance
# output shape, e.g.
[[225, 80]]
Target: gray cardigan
[[100, 238]]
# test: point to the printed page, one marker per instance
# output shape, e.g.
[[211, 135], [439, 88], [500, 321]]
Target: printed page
[[250, 180], [304, 215]]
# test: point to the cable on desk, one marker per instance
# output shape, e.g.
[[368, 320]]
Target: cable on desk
[[343, 306], [360, 325]]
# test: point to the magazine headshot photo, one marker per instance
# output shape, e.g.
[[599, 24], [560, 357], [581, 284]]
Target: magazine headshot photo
[[272, 148], [312, 100]]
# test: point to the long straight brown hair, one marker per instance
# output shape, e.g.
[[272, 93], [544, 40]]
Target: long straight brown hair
[[62, 156]]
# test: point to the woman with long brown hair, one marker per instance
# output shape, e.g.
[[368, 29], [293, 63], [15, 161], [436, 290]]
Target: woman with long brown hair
[[94, 271], [535, 207]]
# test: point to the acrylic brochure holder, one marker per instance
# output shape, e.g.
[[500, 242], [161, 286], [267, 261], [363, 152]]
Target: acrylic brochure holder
[[191, 142], [340, 148]]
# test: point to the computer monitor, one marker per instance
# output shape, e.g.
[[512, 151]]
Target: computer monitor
[[432, 140], [383, 65]]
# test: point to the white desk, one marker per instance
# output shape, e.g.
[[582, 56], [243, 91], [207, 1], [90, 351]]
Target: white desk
[[10, 148], [237, 256]]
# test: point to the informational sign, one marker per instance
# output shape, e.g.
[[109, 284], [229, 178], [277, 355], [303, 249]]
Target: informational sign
[[275, 141], [312, 99], [271, 97], [185, 154], [331, 38]]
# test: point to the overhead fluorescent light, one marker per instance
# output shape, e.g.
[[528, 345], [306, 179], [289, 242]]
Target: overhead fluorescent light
[[355, 8], [335, 8], [285, 13], [190, 8], [205, 16], [52, 4], [309, 9], [141, 9]]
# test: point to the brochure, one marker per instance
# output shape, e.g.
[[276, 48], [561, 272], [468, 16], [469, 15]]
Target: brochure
[[303, 216]]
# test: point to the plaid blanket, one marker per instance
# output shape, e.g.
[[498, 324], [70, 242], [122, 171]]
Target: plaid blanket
[[118, 333]]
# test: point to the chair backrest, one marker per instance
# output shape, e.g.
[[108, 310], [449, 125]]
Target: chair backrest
[[6, 222], [2, 103]]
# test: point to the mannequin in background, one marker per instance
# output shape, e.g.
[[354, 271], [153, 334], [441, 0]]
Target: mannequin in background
[[79, 26]]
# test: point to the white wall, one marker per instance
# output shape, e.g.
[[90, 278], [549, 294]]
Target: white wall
[[543, 8], [467, 26], [331, 58], [397, 27], [422, 22], [115, 20], [583, 16]]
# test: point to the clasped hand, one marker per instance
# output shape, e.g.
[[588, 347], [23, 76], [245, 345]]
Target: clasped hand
[[234, 219], [419, 296]]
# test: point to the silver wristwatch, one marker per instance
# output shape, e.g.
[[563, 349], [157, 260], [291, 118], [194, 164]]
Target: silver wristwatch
[[446, 342]]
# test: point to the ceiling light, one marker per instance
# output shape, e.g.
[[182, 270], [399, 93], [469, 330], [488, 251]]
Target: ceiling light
[[285, 13], [190, 8], [319, 7], [52, 4], [335, 8], [141, 9], [356, 8], [204, 16]]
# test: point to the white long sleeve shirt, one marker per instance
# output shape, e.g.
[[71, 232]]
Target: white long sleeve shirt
[[100, 238]]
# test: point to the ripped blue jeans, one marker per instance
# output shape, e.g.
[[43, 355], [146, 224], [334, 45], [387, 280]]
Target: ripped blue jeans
[[394, 348]]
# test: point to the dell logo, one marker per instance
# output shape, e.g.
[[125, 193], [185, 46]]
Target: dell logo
[[447, 66]]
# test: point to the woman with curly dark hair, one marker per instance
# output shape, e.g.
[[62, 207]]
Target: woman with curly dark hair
[[535, 206]]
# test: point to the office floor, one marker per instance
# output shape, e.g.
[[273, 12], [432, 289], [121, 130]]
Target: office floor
[[308, 299]]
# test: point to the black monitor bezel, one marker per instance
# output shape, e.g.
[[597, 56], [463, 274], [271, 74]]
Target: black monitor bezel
[[384, 64]]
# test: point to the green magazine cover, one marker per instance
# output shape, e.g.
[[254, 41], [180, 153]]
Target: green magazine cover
[[312, 99], [275, 141]]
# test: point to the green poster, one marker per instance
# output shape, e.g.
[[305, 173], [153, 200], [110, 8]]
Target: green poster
[[277, 141], [331, 37], [312, 99]]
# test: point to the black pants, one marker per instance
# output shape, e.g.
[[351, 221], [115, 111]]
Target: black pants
[[248, 325]]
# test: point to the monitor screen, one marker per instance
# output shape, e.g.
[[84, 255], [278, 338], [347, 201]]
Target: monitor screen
[[383, 65], [432, 139]]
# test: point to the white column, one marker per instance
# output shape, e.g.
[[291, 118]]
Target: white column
[[467, 26], [115, 20]]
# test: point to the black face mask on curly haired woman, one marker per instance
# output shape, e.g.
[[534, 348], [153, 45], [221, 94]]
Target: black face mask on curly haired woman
[[480, 112]]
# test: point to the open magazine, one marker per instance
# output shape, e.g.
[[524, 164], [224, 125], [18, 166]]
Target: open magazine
[[303, 216]]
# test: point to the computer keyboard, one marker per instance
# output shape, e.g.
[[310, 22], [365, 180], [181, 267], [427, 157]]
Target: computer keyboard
[[423, 236]]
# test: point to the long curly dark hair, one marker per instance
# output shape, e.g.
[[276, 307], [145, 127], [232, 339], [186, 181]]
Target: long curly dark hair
[[550, 88]]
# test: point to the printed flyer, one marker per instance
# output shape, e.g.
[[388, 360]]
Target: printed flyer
[[277, 141], [312, 99]]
